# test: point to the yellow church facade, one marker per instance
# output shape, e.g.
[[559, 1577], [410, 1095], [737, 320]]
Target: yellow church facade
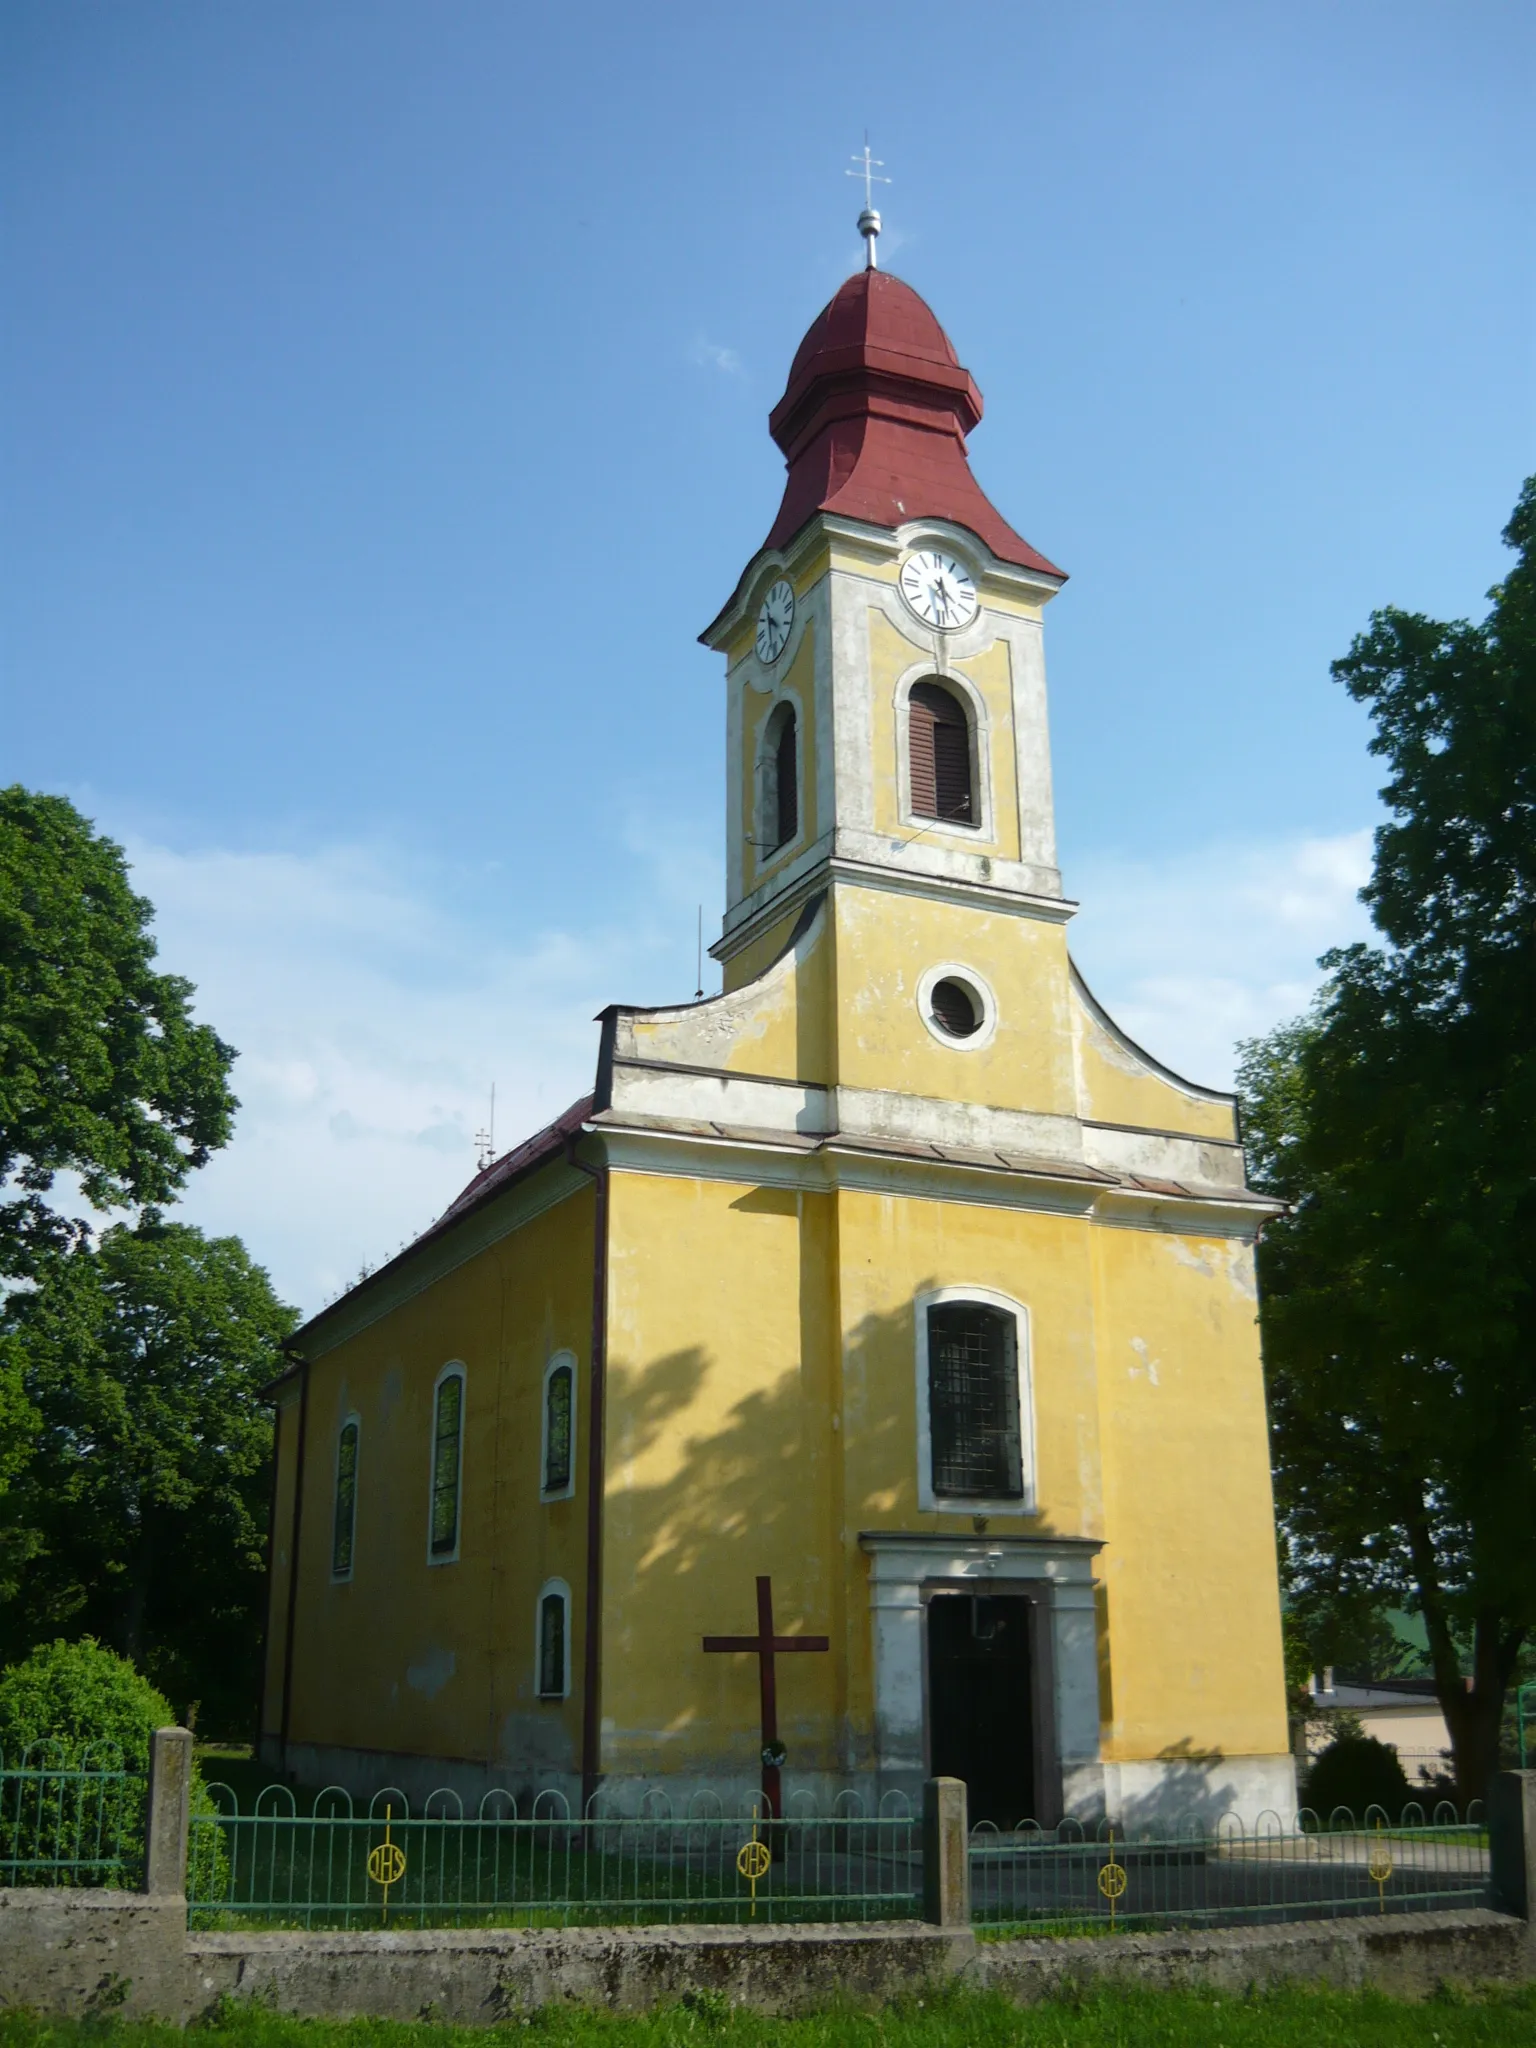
[[895, 1275]]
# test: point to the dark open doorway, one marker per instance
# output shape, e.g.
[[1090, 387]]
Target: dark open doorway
[[980, 1707]]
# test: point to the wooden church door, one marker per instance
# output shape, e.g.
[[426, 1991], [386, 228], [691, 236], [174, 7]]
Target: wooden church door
[[980, 1705]]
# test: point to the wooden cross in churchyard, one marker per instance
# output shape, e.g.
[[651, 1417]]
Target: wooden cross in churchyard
[[765, 1643]]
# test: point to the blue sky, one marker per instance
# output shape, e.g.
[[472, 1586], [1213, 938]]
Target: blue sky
[[383, 393]]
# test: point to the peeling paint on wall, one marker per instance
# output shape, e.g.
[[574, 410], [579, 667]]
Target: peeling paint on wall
[[432, 1673], [1148, 1363]]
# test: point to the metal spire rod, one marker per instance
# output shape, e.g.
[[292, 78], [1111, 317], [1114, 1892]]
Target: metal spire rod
[[868, 168]]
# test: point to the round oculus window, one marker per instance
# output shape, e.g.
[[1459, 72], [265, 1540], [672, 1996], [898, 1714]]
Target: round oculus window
[[955, 1007]]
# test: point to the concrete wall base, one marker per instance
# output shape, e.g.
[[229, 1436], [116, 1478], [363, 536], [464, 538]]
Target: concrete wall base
[[486, 1975], [1406, 1955], [74, 1954]]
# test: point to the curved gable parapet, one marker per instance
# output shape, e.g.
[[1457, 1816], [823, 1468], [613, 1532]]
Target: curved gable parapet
[[751, 1056], [1120, 1082]]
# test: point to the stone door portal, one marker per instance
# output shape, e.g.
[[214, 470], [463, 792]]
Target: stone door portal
[[980, 1702]]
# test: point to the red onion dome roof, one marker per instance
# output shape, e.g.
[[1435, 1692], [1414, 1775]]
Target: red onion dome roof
[[874, 418]]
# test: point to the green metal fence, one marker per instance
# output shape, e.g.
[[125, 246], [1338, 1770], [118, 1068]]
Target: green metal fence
[[70, 1816], [438, 1866], [1072, 1880]]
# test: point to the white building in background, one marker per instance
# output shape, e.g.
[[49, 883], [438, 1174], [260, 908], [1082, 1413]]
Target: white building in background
[[1404, 1712]]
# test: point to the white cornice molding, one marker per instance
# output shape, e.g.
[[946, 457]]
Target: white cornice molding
[[899, 1557], [788, 1161], [766, 907], [880, 544]]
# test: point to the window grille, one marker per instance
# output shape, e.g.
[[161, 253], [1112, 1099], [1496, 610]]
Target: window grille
[[552, 1646], [447, 1430], [559, 1393], [344, 1527], [786, 782], [973, 1402], [939, 755]]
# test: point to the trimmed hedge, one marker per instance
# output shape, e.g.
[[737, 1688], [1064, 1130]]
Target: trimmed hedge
[[80, 1708]]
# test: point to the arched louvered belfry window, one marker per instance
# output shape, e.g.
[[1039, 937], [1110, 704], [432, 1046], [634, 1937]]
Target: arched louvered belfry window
[[781, 779], [788, 779], [939, 755]]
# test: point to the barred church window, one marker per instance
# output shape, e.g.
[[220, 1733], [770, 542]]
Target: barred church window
[[939, 755], [447, 1464], [559, 1446], [973, 1402], [344, 1523], [780, 815], [554, 1642]]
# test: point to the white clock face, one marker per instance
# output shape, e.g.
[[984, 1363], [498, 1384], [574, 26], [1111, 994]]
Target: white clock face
[[939, 589], [774, 621]]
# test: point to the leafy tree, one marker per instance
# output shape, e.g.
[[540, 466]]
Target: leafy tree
[[102, 1071], [1399, 1120], [142, 1358]]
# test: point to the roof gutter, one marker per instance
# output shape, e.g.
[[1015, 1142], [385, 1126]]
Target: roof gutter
[[290, 1620], [592, 1646]]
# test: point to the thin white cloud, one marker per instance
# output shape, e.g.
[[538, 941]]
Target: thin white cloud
[[709, 355], [372, 1020], [1192, 953]]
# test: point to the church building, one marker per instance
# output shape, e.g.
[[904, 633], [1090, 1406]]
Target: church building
[[891, 1306]]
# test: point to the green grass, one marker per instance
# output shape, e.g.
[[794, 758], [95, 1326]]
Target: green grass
[[1137, 2019]]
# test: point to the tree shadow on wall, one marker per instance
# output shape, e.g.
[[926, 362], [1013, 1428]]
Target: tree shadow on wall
[[707, 1490]]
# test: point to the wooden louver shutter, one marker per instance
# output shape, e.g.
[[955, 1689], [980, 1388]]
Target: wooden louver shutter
[[939, 755], [786, 782]]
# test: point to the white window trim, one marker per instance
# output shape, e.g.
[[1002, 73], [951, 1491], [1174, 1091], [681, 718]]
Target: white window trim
[[454, 1369], [961, 686], [764, 855], [952, 1504], [559, 1588], [559, 1359], [347, 1422], [955, 970]]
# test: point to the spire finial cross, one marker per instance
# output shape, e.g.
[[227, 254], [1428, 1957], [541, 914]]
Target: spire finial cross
[[868, 168]]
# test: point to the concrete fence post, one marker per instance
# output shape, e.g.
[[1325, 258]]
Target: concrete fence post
[[946, 1854], [1512, 1843], [168, 1811]]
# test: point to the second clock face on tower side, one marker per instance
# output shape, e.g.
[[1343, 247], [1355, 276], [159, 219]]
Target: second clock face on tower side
[[939, 589], [774, 621]]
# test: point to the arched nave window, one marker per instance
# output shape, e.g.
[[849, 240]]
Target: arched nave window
[[557, 1460], [447, 1465], [344, 1521], [552, 1650]]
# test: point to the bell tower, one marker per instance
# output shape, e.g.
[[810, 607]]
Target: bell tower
[[886, 720]]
